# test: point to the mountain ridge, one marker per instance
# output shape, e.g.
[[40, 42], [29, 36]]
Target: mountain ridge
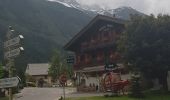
[[45, 25], [123, 12]]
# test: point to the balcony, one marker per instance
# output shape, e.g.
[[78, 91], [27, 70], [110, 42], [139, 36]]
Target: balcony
[[88, 64], [100, 41], [89, 61], [94, 41], [84, 45], [115, 57], [99, 45]]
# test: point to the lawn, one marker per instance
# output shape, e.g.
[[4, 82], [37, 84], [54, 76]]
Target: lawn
[[152, 97], [3, 98]]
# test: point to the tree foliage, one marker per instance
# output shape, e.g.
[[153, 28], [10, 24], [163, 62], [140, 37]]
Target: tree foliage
[[146, 44], [55, 66], [58, 65], [1, 71], [135, 88], [45, 26]]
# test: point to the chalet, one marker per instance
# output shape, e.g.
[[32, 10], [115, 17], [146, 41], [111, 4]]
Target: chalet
[[39, 71], [95, 48]]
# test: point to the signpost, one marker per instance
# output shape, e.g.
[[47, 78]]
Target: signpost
[[63, 80], [110, 67], [9, 82], [70, 59], [11, 50], [12, 53], [108, 82], [13, 42]]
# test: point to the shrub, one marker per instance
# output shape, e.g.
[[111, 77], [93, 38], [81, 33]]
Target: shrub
[[135, 88]]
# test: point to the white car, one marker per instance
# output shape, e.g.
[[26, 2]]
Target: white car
[[55, 85]]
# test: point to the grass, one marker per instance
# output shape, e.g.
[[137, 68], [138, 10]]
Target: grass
[[99, 98], [149, 97], [3, 98]]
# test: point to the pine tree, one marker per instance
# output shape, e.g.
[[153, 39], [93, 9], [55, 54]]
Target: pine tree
[[1, 71]]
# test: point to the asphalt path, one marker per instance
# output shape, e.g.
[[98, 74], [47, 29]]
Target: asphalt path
[[43, 93]]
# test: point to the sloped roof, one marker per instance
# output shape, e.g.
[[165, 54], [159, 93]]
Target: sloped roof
[[37, 69], [91, 23]]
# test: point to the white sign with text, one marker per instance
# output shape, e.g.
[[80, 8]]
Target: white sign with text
[[9, 82]]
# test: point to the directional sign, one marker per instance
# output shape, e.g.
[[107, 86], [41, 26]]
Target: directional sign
[[9, 82], [12, 53], [63, 79], [70, 59], [12, 42], [10, 32], [110, 67]]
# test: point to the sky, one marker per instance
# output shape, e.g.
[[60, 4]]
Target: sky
[[146, 6]]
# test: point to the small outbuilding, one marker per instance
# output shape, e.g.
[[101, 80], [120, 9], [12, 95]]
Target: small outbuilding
[[39, 73]]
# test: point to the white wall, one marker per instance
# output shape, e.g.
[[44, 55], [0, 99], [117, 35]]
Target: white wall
[[125, 76], [92, 80], [95, 80]]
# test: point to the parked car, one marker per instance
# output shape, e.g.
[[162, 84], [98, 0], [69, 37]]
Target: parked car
[[30, 84], [69, 84], [55, 85]]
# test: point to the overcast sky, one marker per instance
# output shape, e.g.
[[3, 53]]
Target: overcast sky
[[145, 6]]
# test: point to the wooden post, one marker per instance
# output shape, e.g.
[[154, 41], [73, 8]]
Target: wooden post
[[10, 89], [64, 90], [10, 52], [10, 63]]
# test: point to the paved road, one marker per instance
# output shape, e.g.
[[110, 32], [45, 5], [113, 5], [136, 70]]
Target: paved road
[[42, 93]]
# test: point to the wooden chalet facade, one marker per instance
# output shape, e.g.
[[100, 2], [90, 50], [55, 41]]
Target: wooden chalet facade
[[94, 47]]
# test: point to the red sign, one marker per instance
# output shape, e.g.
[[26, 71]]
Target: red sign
[[108, 81], [63, 79]]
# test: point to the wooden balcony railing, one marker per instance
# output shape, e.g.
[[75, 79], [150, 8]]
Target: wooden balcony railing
[[99, 41], [84, 45], [98, 45], [88, 64]]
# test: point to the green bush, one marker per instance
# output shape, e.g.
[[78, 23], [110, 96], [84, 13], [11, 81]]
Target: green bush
[[135, 88], [106, 95]]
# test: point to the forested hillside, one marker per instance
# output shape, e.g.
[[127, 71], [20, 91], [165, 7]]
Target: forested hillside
[[45, 26]]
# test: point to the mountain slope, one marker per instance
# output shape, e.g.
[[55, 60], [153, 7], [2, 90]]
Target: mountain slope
[[121, 12], [45, 25]]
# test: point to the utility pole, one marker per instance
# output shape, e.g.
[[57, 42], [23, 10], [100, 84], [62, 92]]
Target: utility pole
[[11, 50]]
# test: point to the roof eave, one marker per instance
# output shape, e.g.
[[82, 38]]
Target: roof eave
[[120, 21]]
